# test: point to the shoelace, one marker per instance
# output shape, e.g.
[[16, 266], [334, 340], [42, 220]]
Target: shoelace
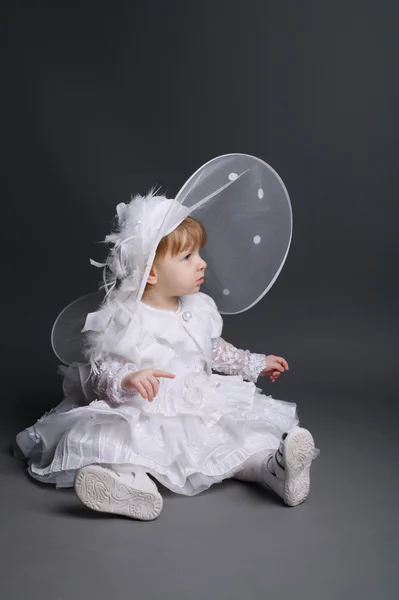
[[277, 457]]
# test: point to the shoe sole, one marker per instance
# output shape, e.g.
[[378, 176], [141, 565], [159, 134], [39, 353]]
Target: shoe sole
[[100, 489], [298, 455]]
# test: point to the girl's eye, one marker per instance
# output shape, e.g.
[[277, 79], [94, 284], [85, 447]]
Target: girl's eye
[[186, 257]]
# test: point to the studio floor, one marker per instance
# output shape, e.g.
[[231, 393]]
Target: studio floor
[[234, 541]]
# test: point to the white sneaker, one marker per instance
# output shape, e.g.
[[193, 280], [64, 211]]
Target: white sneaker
[[287, 472], [132, 495]]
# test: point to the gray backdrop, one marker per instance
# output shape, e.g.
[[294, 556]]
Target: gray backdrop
[[105, 99]]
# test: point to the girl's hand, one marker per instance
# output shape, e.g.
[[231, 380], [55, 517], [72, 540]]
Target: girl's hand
[[275, 365], [144, 382]]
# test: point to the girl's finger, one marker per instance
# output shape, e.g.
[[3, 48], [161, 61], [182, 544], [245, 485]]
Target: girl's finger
[[278, 367], [140, 388], [148, 388], [155, 385], [163, 374]]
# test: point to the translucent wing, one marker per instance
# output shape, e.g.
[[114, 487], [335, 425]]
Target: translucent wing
[[66, 335]]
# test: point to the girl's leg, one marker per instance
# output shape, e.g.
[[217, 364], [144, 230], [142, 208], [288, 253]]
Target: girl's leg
[[286, 470], [131, 494]]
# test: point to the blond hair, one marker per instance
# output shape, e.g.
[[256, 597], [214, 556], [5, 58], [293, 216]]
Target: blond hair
[[188, 235]]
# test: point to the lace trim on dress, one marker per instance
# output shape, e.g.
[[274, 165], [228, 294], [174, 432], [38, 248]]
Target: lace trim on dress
[[231, 361], [107, 383]]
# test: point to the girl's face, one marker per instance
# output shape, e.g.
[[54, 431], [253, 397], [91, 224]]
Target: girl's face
[[181, 274]]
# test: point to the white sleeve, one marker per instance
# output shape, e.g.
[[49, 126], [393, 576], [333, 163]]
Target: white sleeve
[[107, 383], [231, 361]]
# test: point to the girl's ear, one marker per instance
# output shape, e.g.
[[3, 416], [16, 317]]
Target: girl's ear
[[152, 277]]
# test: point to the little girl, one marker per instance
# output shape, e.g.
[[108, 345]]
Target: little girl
[[156, 406]]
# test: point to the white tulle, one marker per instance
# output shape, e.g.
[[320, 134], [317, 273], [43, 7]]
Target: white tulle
[[200, 428]]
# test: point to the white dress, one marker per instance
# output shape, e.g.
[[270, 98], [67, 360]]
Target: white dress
[[199, 429]]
